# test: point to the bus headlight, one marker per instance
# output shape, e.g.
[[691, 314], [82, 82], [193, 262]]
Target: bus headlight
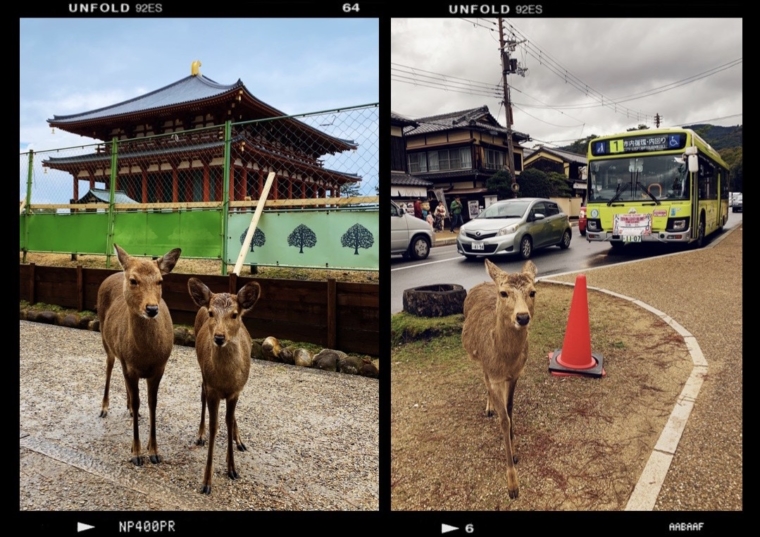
[[591, 225], [679, 225]]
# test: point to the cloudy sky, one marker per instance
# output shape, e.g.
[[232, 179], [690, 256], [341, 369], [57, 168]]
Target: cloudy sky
[[686, 70], [296, 65]]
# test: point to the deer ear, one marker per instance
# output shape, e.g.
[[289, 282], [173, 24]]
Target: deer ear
[[249, 295], [121, 255], [530, 268], [492, 270], [200, 294], [166, 263]]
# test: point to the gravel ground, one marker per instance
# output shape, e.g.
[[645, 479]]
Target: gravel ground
[[702, 291], [312, 435]]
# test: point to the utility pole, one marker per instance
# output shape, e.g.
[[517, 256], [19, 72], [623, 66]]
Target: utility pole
[[508, 66], [657, 120]]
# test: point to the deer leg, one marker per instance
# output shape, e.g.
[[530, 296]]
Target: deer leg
[[231, 432], [109, 367], [238, 441], [512, 386], [500, 395], [133, 394], [153, 383], [199, 441], [489, 403], [213, 426]]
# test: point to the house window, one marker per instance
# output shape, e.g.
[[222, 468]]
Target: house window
[[417, 162], [495, 159], [450, 159]]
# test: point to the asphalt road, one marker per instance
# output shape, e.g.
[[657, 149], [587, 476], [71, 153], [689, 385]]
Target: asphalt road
[[446, 266]]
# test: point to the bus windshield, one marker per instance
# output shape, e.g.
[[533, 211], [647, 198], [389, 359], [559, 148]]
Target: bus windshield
[[641, 178]]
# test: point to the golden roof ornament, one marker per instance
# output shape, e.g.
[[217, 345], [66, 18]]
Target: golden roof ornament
[[195, 68]]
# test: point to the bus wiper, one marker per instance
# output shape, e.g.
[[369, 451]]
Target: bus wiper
[[648, 193], [617, 194]]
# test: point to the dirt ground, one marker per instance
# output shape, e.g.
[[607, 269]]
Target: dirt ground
[[582, 443]]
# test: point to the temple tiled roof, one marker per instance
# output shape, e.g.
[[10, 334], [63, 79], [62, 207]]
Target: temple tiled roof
[[103, 195], [189, 89]]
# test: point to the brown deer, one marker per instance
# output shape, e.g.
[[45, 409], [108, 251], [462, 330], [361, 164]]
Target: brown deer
[[137, 328], [497, 316], [223, 347]]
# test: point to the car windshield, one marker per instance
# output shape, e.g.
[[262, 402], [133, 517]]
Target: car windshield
[[507, 209]]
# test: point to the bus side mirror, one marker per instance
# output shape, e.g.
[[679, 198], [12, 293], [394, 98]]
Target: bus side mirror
[[693, 164]]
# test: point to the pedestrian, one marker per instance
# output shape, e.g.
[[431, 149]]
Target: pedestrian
[[425, 209], [440, 215], [418, 208], [456, 214]]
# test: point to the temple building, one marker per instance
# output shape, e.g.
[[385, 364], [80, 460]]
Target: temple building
[[171, 147]]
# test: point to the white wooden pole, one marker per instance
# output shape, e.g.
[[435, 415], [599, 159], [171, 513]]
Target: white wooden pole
[[254, 223]]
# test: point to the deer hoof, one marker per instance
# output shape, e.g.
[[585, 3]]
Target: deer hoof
[[233, 474], [241, 447], [200, 442], [515, 458], [155, 459], [137, 461], [103, 413], [206, 489], [513, 494]]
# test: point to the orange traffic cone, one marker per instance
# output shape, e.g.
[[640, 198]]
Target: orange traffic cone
[[575, 357]]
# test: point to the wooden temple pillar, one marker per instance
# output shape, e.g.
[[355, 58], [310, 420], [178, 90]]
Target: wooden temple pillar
[[144, 185], [175, 184]]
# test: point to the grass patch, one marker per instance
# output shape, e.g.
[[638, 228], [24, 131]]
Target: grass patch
[[406, 327]]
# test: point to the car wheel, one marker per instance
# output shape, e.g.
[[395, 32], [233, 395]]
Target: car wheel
[[419, 249], [565, 243], [526, 247]]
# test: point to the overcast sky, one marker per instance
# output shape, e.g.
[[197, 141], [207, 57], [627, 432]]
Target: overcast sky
[[615, 58], [295, 65]]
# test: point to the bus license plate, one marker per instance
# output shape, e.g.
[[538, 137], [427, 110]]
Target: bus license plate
[[478, 246], [631, 238]]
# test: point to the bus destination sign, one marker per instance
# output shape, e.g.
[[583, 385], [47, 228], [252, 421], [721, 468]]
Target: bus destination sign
[[638, 144]]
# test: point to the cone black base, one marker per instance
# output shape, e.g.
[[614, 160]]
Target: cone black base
[[557, 369]]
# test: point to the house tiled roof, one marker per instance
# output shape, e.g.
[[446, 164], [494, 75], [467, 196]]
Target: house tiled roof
[[398, 119], [479, 118], [404, 179], [189, 89], [564, 155]]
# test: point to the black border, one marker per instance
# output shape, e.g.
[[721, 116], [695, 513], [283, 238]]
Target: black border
[[414, 523]]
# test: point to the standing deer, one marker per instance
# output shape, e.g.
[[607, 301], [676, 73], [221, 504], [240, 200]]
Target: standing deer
[[223, 346], [137, 328], [495, 333]]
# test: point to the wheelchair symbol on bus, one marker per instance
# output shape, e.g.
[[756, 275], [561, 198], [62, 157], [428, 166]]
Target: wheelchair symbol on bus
[[673, 140]]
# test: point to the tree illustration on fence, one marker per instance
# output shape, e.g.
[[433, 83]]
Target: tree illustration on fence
[[302, 236], [259, 238], [357, 237]]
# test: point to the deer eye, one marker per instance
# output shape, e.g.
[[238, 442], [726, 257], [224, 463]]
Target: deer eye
[[532, 294], [504, 294], [132, 281], [234, 315], [210, 313]]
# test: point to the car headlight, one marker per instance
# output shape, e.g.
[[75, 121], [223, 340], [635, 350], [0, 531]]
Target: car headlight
[[508, 230]]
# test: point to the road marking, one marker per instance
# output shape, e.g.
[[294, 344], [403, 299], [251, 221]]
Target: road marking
[[425, 264]]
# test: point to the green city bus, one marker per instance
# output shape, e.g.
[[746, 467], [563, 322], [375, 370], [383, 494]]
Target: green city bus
[[663, 185]]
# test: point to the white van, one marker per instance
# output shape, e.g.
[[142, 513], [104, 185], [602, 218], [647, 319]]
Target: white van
[[410, 236]]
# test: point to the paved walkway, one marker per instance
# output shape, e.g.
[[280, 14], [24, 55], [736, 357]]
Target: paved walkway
[[701, 291]]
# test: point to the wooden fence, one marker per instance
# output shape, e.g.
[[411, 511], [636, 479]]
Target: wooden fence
[[332, 314]]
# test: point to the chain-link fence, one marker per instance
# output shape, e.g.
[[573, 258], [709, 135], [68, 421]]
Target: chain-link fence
[[320, 155]]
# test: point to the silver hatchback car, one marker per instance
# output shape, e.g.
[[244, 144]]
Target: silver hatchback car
[[515, 226]]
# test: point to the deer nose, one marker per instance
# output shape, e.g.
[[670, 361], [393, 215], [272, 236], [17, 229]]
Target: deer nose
[[219, 340], [523, 318], [152, 311]]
